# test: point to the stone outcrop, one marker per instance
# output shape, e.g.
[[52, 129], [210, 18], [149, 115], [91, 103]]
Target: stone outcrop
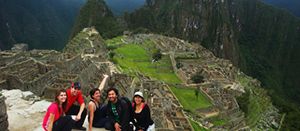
[[3, 114]]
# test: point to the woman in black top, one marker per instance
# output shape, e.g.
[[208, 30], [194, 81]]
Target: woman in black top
[[97, 113], [141, 114]]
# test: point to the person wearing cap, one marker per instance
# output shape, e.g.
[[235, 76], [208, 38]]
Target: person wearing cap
[[141, 114], [75, 95]]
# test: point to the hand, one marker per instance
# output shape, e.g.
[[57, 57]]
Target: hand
[[78, 117], [105, 76], [117, 127]]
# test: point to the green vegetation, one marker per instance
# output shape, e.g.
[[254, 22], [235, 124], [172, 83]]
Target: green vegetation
[[196, 126], [188, 100], [116, 41], [156, 55], [254, 102], [96, 13], [42, 24], [217, 121], [262, 44], [197, 78], [78, 41], [132, 58]]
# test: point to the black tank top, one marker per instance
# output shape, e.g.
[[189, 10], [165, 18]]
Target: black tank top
[[98, 114]]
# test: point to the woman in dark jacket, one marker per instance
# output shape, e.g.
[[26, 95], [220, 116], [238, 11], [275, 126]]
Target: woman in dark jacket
[[141, 114]]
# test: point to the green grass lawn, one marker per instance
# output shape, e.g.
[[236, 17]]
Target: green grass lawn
[[188, 99], [133, 57], [114, 41], [196, 127], [219, 122]]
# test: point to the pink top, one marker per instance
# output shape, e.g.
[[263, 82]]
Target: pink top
[[54, 109]]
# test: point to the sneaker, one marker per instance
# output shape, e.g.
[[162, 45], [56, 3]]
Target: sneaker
[[80, 128]]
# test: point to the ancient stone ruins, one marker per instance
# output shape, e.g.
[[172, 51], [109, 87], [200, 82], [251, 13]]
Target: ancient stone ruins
[[84, 59]]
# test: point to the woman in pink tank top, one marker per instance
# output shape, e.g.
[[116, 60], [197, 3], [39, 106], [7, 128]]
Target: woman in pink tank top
[[55, 118]]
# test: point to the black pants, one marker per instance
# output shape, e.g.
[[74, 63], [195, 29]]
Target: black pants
[[101, 123], [64, 123], [100, 119], [74, 109], [109, 125]]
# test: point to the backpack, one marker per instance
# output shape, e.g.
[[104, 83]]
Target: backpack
[[130, 109]]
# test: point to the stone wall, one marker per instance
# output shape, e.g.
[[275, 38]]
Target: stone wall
[[38, 85], [3, 114], [92, 75], [166, 110], [123, 83]]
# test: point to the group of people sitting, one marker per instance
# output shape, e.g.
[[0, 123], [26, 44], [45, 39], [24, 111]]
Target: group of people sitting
[[118, 114]]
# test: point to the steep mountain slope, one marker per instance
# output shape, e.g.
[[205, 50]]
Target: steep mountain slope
[[263, 41], [96, 13], [290, 5], [118, 7], [205, 21], [40, 23]]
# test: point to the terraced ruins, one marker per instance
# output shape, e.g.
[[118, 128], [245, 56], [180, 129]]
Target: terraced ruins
[[168, 88]]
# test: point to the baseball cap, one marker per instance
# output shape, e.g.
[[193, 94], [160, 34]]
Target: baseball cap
[[138, 93], [76, 85]]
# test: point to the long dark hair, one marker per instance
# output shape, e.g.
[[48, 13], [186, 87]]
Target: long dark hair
[[92, 92], [64, 104]]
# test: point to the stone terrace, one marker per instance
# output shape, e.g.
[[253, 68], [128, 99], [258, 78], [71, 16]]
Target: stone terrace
[[219, 76], [166, 110]]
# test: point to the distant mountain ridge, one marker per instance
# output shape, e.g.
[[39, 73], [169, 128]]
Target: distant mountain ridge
[[96, 13], [291, 5], [118, 7], [43, 24]]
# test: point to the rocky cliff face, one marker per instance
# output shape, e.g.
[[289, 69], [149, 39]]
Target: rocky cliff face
[[290, 5], [3, 114], [41, 24], [96, 13], [119, 7], [262, 40], [203, 21]]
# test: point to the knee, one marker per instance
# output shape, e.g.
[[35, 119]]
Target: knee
[[108, 125]]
